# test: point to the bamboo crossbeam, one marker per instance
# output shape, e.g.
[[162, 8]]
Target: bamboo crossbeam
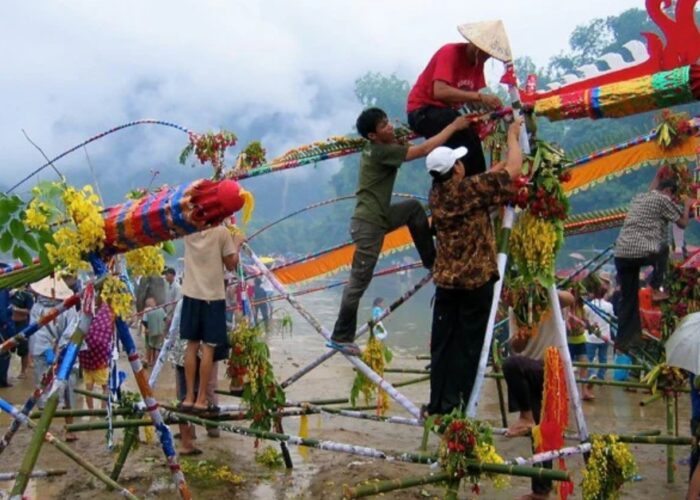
[[83, 412], [661, 440], [376, 488], [310, 442], [612, 383], [9, 476], [361, 331]]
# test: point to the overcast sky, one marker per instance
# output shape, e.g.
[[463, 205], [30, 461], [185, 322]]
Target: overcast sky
[[71, 69]]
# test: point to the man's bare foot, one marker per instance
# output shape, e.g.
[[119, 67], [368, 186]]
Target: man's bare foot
[[520, 428]]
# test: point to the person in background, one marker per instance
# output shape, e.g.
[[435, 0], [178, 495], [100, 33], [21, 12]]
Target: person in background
[[173, 293], [524, 375], [261, 306], [150, 286], [598, 335], [22, 302], [176, 356], [7, 331], [465, 268], [377, 310], [49, 340], [375, 215], [576, 326], [94, 359], [643, 241], [154, 321]]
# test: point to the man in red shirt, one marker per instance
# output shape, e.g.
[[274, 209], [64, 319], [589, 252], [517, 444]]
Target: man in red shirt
[[453, 78]]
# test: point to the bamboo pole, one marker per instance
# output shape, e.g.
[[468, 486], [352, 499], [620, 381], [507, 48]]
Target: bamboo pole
[[58, 385], [574, 396], [162, 430], [376, 488], [501, 261], [611, 383], [9, 476], [66, 450], [499, 383], [311, 443], [660, 440], [670, 430], [357, 362], [361, 331], [83, 412], [173, 335], [131, 436]]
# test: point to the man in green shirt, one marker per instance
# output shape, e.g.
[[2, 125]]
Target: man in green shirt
[[375, 215]]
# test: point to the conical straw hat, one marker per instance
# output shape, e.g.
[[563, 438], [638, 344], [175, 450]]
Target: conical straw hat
[[51, 288], [489, 36]]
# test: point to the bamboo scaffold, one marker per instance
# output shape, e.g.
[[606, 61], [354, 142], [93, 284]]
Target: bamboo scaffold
[[361, 366]]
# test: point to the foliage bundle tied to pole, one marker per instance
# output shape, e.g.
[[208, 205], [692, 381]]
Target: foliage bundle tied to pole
[[376, 355], [249, 369]]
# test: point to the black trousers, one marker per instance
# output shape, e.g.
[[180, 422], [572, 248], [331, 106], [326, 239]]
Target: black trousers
[[4, 369], [525, 380], [430, 120], [368, 239], [629, 328], [457, 335]]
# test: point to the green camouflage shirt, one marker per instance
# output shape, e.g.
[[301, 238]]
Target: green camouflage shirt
[[466, 247]]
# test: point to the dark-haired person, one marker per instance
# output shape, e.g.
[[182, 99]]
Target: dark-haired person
[[465, 266], [643, 241], [173, 293], [375, 215], [452, 78]]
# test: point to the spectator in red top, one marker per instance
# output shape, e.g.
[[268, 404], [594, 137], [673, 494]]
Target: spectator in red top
[[453, 77]]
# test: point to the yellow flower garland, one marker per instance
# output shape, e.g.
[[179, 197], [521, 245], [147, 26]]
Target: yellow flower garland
[[115, 293], [610, 464], [145, 261], [83, 234]]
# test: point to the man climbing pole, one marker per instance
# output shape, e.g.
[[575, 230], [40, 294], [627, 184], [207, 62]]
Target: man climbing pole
[[375, 215], [454, 77]]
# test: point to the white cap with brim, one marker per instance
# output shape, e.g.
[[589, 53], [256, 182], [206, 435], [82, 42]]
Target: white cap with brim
[[490, 37], [442, 159]]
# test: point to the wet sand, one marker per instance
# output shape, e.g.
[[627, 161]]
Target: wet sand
[[319, 474]]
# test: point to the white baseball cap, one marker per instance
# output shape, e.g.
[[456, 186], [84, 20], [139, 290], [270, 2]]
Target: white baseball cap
[[442, 159]]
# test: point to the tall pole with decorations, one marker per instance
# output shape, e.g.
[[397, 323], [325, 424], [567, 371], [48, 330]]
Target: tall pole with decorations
[[494, 41], [501, 51]]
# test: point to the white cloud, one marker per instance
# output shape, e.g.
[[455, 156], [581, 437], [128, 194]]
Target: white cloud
[[74, 68]]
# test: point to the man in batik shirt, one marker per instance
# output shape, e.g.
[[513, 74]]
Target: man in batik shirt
[[465, 266]]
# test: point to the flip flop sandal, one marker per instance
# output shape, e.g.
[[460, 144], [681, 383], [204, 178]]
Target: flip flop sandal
[[184, 408]]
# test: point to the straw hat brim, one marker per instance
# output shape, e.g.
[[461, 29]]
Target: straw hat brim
[[490, 37], [51, 288]]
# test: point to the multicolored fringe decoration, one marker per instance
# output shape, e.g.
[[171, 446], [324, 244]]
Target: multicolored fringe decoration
[[598, 220], [625, 98], [549, 434]]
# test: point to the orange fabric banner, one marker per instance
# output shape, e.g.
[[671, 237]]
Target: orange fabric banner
[[339, 259], [596, 171], [582, 178]]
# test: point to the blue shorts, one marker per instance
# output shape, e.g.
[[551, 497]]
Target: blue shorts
[[577, 350], [203, 321]]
